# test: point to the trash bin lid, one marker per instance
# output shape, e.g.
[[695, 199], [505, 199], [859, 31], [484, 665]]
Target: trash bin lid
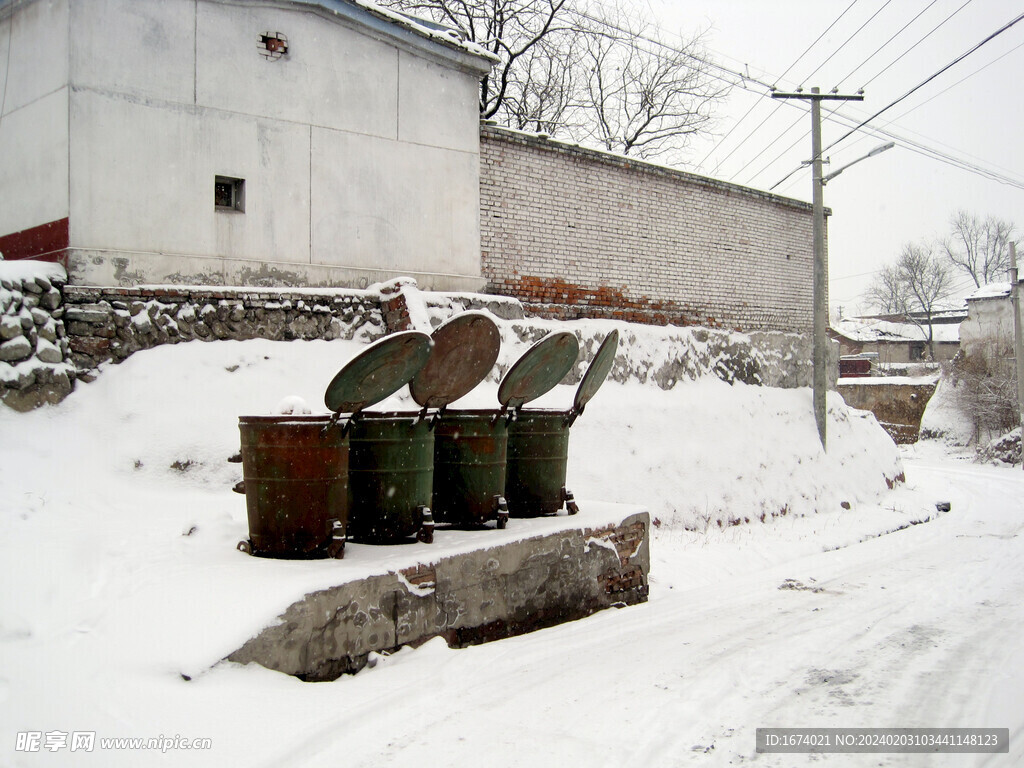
[[465, 349], [539, 369], [378, 371], [597, 372]]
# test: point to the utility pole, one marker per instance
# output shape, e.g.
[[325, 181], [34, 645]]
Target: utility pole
[[1018, 340], [820, 378]]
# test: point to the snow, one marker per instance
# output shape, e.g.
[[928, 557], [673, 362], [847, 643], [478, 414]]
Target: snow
[[904, 381], [867, 330], [943, 418], [991, 291], [292, 404], [117, 536], [25, 269]]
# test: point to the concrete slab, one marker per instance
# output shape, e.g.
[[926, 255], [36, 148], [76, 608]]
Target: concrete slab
[[468, 587]]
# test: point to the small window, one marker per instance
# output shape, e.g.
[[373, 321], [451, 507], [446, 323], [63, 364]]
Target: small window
[[917, 352], [229, 194]]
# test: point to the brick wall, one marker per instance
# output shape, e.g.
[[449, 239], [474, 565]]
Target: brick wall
[[577, 233]]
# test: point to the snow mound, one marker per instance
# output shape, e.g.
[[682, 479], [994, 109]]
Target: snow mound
[[943, 419]]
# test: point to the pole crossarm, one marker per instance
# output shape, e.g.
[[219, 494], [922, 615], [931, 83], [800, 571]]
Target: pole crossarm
[[819, 96]]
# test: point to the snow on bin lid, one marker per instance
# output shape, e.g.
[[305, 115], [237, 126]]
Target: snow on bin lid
[[597, 372], [465, 349], [539, 369], [378, 371]]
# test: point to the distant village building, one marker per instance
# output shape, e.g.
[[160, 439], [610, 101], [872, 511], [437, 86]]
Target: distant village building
[[298, 142], [897, 339], [988, 330]]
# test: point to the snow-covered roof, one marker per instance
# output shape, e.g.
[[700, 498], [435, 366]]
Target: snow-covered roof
[[398, 26], [991, 291], [401, 25], [866, 330]]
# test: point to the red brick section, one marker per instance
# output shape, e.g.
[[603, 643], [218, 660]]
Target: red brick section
[[626, 540], [559, 299], [420, 575], [46, 242]]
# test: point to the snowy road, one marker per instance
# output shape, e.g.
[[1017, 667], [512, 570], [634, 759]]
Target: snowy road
[[120, 578], [921, 627]]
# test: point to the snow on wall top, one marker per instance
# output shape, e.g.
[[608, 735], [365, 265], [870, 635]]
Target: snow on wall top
[[25, 269], [991, 291]]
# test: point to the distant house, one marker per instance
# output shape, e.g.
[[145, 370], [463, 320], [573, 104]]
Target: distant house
[[896, 340], [282, 142], [988, 330]]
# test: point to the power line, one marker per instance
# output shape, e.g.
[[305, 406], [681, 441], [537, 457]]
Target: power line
[[798, 58], [898, 58], [934, 29], [837, 50], [770, 114], [927, 80], [769, 145], [883, 45]]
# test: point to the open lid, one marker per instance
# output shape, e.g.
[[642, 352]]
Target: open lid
[[539, 369], [597, 372], [378, 371], [465, 348]]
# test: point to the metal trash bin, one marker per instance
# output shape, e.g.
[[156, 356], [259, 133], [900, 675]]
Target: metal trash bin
[[469, 445], [296, 486], [391, 455], [538, 439]]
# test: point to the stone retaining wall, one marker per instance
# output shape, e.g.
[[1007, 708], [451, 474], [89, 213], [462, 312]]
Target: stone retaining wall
[[34, 366], [52, 334], [112, 323]]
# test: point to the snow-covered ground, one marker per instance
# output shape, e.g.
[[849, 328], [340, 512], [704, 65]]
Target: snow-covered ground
[[120, 579]]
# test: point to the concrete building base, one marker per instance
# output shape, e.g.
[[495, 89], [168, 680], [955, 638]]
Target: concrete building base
[[468, 587]]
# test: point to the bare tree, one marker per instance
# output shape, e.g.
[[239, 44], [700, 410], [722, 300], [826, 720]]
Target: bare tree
[[888, 292], [644, 99], [914, 286], [981, 248], [577, 69]]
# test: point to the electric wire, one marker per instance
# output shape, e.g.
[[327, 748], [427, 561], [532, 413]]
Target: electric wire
[[898, 58], [929, 34], [755, 104], [817, 39], [883, 45], [844, 44], [927, 80], [916, 146]]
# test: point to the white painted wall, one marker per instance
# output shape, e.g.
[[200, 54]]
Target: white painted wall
[[360, 153], [988, 329], [33, 115]]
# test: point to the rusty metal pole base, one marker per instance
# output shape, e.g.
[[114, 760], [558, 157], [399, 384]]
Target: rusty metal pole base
[[426, 532], [570, 501], [336, 545], [501, 515]]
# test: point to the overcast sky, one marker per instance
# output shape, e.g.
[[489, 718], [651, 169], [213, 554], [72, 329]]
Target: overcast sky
[[973, 112]]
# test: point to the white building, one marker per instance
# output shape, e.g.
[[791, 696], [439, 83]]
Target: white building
[[988, 330], [309, 142]]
